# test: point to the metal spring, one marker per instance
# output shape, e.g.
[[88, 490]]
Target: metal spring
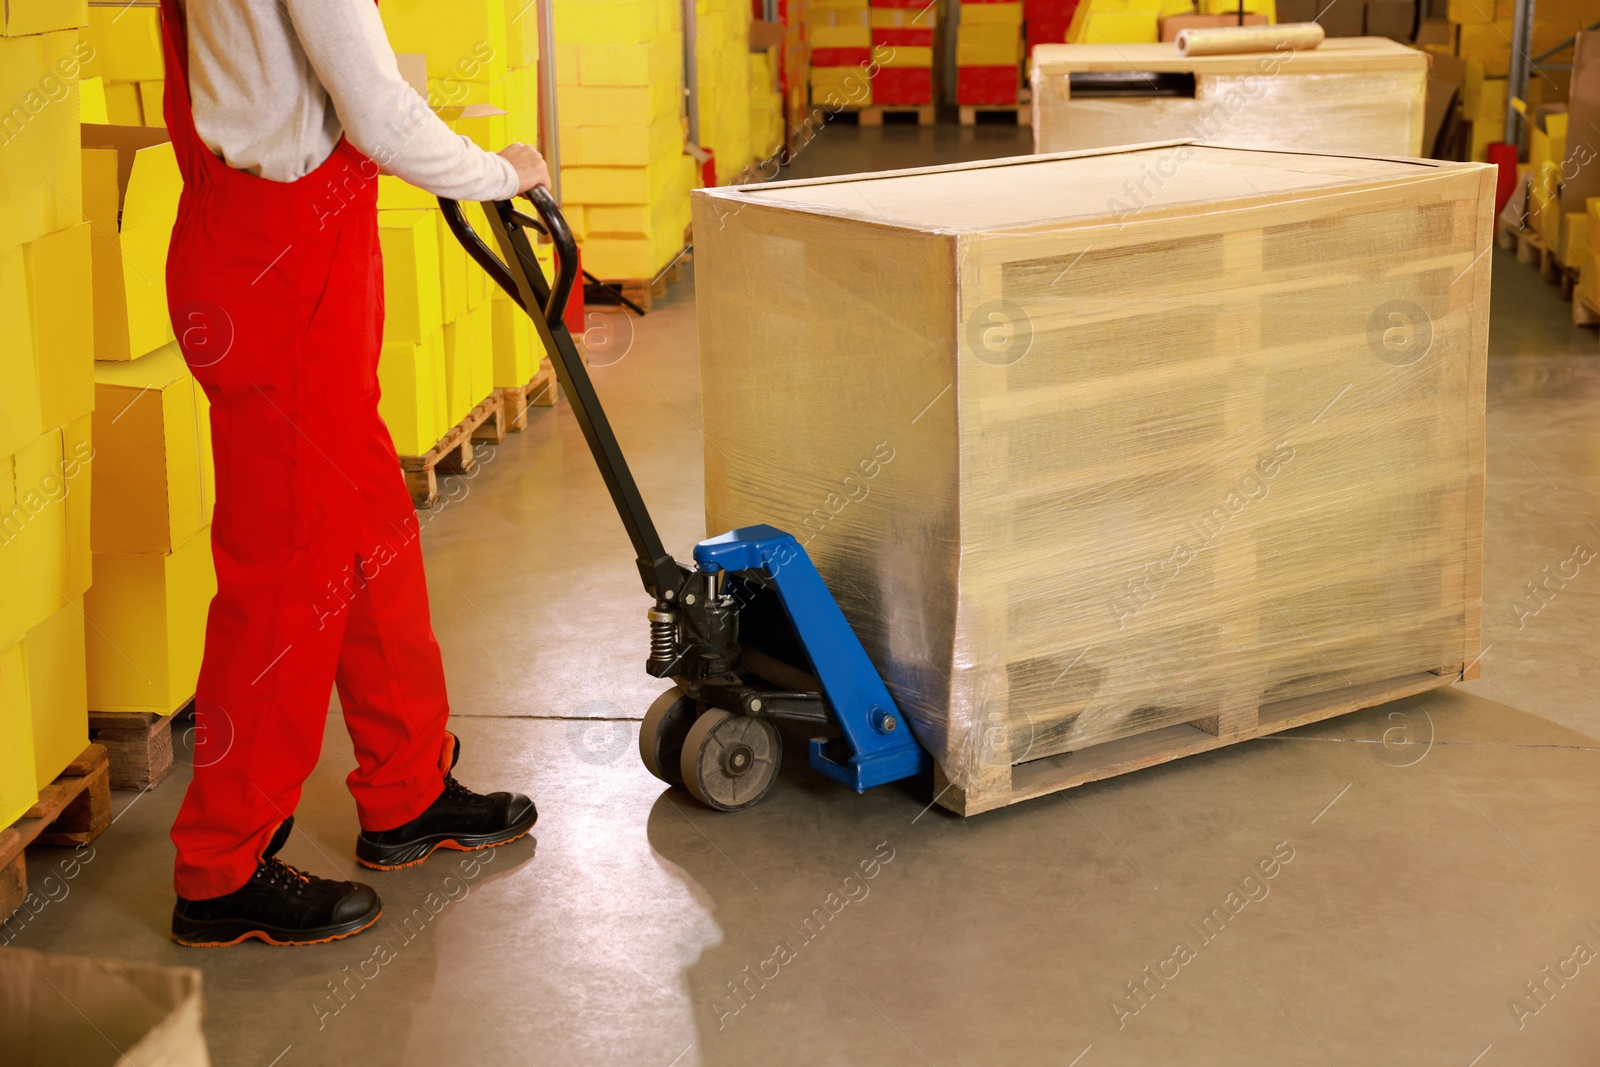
[[663, 636]]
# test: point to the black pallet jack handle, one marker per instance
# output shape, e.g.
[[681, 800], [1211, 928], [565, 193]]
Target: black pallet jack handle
[[546, 305]]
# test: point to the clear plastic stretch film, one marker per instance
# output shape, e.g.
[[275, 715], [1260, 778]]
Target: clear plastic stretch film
[[1078, 468], [1370, 113]]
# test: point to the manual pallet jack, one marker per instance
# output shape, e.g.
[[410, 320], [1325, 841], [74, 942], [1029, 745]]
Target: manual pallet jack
[[750, 633]]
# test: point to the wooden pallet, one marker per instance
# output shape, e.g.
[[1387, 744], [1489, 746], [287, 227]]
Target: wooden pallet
[[138, 745], [969, 113], [539, 393], [873, 114], [1582, 313], [1003, 785], [453, 453], [644, 291], [1532, 249], [73, 810]]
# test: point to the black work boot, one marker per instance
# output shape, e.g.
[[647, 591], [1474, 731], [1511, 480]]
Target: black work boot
[[278, 905], [459, 819]]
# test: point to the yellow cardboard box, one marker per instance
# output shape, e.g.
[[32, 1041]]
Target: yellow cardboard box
[[453, 268], [465, 39], [92, 101], [522, 105], [413, 307], [516, 352], [1268, 8], [617, 105], [126, 43], [41, 188], [60, 298], [123, 105], [522, 33], [623, 146], [412, 401], [847, 36], [1009, 14], [1549, 144], [481, 327], [19, 784], [618, 185], [630, 64], [154, 485], [902, 55], [988, 45], [837, 87], [147, 623], [632, 257], [1488, 42], [586, 22], [20, 420], [58, 691], [150, 103], [460, 388], [1574, 238], [21, 18], [130, 190], [44, 529]]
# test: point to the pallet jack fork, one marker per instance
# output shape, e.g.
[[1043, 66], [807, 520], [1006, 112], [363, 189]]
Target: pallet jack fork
[[750, 635]]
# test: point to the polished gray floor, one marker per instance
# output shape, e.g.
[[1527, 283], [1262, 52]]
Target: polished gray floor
[[1429, 860]]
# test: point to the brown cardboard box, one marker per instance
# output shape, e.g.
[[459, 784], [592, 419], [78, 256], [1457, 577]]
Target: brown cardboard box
[[1583, 110], [151, 1014], [1394, 19], [1445, 77], [1341, 18], [1172, 25]]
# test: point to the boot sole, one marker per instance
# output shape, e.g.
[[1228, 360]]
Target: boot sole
[[235, 931], [402, 856]]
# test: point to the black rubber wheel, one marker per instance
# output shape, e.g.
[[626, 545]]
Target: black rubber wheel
[[730, 761], [661, 735]]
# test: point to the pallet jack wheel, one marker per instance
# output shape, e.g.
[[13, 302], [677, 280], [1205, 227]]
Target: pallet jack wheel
[[661, 735], [730, 761]]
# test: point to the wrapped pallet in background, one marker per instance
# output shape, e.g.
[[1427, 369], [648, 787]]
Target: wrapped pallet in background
[[988, 52], [624, 176], [905, 43], [1367, 94], [1169, 475], [47, 322], [723, 84], [840, 35]]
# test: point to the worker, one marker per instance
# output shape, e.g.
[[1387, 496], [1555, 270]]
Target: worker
[[282, 114]]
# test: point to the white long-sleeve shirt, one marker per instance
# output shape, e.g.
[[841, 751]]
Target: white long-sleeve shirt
[[275, 82]]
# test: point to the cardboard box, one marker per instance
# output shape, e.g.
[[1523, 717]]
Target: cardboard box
[[20, 420], [460, 388], [453, 268], [23, 18], [840, 87], [123, 104], [1574, 238], [901, 56], [92, 102], [522, 34], [147, 622], [152, 1014], [19, 784], [1489, 43], [1471, 12], [990, 45], [58, 691], [619, 185], [41, 189], [633, 257], [151, 101], [60, 303], [624, 146], [516, 351], [464, 39], [130, 192], [126, 43], [618, 105], [585, 22], [481, 324], [154, 484], [412, 289], [1020, 281], [630, 64], [1173, 25], [413, 400], [1583, 119], [1006, 14], [44, 529]]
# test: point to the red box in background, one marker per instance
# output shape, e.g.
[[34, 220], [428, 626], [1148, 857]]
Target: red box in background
[[986, 85], [900, 3], [1042, 32], [1049, 10], [841, 57], [909, 37], [903, 85]]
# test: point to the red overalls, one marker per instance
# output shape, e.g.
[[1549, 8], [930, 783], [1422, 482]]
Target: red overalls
[[276, 295]]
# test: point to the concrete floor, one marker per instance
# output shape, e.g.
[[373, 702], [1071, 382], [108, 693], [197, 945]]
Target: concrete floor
[[1429, 858]]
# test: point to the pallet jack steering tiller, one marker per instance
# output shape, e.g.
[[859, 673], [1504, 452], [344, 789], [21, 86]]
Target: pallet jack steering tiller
[[750, 633]]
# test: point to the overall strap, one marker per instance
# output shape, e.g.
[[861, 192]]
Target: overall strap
[[176, 104]]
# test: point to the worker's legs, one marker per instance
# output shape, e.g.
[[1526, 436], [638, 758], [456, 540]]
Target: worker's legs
[[390, 674]]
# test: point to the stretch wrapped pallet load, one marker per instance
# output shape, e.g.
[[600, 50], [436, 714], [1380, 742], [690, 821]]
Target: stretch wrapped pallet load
[[988, 52], [1362, 95], [840, 36], [130, 195], [1206, 466], [1589, 273], [766, 103], [154, 492]]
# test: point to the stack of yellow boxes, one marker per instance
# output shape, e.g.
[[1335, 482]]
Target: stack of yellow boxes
[[449, 342], [840, 34], [625, 179], [153, 482], [1589, 273], [126, 62], [1483, 30], [1139, 21], [766, 103], [723, 84], [988, 51], [46, 395]]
